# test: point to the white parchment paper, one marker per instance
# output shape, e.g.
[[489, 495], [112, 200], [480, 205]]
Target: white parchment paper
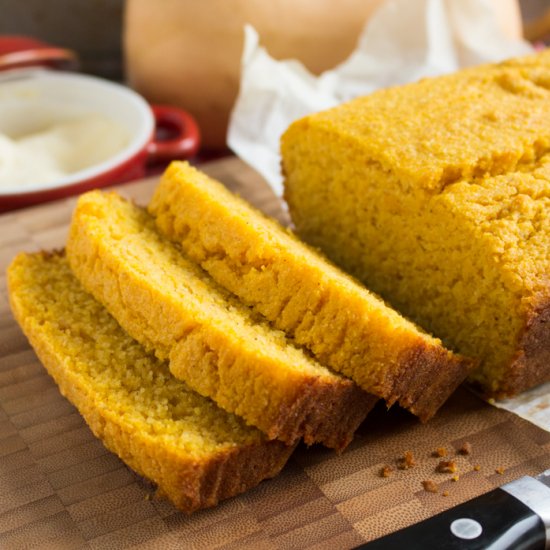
[[405, 40], [533, 405]]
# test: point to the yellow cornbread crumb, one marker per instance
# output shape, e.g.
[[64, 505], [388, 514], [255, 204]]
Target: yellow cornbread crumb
[[340, 322], [195, 452], [430, 486], [446, 466], [213, 343], [407, 461], [437, 196], [440, 452]]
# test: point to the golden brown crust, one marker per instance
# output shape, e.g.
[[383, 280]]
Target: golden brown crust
[[193, 485], [231, 474], [335, 416], [531, 365], [426, 379]]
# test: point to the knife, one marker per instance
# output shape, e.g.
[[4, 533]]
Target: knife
[[515, 516]]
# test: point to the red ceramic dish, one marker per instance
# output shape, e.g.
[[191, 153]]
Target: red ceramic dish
[[22, 51], [65, 94]]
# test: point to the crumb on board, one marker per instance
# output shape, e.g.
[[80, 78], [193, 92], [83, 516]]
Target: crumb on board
[[499, 470], [455, 477], [386, 471], [466, 448], [445, 493], [477, 467], [406, 461], [446, 467], [440, 452], [430, 486]]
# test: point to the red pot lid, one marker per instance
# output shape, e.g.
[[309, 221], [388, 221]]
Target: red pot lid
[[22, 51]]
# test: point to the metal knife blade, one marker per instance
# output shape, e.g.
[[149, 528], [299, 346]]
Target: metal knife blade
[[515, 516], [544, 478]]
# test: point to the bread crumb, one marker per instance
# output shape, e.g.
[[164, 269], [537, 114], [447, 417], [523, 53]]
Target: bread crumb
[[477, 467], [386, 471], [446, 467], [406, 461], [445, 493], [440, 452], [455, 478], [466, 448], [430, 486], [499, 470]]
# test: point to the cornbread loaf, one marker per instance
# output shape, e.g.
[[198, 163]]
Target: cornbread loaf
[[195, 452], [345, 326], [171, 306], [437, 195]]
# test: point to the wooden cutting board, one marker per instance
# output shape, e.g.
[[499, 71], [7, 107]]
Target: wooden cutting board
[[62, 489]]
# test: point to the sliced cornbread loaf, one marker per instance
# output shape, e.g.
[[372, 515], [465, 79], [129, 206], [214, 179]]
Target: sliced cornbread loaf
[[437, 195], [171, 306], [195, 452], [338, 320]]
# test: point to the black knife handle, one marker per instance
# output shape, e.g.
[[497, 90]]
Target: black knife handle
[[498, 521]]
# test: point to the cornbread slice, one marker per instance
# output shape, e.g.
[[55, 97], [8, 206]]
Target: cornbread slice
[[437, 196], [171, 306], [195, 452], [344, 325]]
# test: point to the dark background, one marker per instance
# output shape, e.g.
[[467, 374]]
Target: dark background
[[92, 28]]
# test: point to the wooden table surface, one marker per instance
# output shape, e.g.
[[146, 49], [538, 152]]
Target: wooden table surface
[[62, 489]]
